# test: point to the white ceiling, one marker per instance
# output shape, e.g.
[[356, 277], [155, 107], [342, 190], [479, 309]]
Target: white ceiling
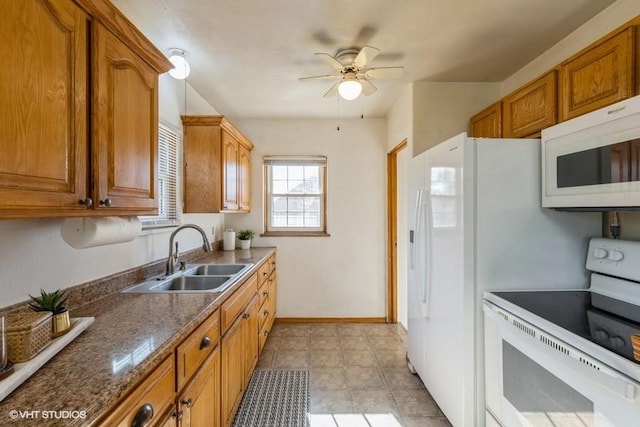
[[246, 55]]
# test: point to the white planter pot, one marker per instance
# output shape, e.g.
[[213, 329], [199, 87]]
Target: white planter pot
[[245, 244]]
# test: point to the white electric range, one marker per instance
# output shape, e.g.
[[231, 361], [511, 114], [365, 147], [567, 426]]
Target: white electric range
[[565, 357]]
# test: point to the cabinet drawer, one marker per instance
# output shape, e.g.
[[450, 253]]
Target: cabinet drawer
[[262, 337], [196, 348], [263, 272], [157, 391], [236, 303], [263, 314]]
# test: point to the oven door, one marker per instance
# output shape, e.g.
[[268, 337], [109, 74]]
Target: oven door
[[592, 161], [534, 380]]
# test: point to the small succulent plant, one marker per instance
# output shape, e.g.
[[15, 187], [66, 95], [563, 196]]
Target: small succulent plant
[[245, 234], [49, 301]]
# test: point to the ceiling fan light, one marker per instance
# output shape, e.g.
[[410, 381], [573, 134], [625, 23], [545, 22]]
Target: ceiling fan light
[[181, 68], [350, 89]]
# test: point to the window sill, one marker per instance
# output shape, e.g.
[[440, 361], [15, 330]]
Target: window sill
[[295, 234]]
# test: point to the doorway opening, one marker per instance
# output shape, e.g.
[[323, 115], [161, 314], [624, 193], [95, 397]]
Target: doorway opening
[[397, 160]]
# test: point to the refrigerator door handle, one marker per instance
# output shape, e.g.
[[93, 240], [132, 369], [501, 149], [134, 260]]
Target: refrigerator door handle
[[415, 233], [425, 284]]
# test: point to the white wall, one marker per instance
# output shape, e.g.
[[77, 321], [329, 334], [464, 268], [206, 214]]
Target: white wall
[[442, 110], [609, 19], [342, 275], [34, 255]]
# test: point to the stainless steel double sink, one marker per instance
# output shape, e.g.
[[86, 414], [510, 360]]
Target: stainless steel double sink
[[195, 278]]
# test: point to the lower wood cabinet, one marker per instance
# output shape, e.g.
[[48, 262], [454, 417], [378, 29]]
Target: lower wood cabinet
[[203, 383], [199, 403], [232, 371], [148, 402]]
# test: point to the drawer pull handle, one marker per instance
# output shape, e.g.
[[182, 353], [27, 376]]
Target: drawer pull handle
[[265, 293], [206, 342], [265, 313], [143, 416], [187, 402], [245, 315]]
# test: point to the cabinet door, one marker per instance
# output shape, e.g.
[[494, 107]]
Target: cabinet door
[[251, 332], [232, 370], [124, 126], [599, 76], [487, 123], [244, 178], [229, 172], [43, 165], [202, 172], [200, 402], [531, 108]]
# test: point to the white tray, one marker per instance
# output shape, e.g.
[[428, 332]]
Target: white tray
[[24, 370]]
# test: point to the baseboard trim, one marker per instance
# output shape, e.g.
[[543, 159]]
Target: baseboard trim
[[331, 320]]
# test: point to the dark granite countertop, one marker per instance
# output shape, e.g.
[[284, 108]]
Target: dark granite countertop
[[131, 335]]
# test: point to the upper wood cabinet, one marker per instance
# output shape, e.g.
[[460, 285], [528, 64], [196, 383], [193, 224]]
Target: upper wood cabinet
[[44, 104], [217, 176], [73, 61], [124, 126], [598, 76], [531, 108], [487, 123]]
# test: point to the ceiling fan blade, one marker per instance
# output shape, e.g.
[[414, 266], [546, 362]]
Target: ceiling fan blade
[[333, 62], [365, 56], [367, 87], [332, 91], [325, 77], [384, 73]]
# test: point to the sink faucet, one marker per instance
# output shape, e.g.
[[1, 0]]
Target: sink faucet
[[172, 260]]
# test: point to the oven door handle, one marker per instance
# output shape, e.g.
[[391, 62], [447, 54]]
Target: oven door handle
[[550, 355]]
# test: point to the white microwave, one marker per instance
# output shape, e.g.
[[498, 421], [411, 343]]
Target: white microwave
[[592, 162]]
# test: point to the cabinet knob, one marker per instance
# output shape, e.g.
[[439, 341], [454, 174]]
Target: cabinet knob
[[206, 342], [187, 402], [225, 206], [265, 313], [105, 202], [143, 416], [265, 293], [266, 333], [87, 203], [264, 273], [178, 415], [245, 316]]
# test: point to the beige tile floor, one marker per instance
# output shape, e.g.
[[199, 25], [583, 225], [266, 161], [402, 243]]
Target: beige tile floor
[[359, 374]]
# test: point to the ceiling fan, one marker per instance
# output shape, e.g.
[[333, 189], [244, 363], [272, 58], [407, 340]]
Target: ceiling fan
[[351, 65]]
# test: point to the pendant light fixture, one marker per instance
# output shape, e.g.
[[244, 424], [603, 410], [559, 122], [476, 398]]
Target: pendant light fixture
[[178, 58]]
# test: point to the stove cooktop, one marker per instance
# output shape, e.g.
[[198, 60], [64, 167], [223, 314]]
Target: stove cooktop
[[602, 320]]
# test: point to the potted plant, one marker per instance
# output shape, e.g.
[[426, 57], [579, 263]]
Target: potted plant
[[245, 237], [53, 302]]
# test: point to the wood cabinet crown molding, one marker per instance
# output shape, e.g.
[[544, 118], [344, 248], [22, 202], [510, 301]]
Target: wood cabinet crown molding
[[221, 121], [120, 26]]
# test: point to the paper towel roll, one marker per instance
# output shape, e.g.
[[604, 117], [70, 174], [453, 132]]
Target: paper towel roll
[[82, 233], [229, 240]]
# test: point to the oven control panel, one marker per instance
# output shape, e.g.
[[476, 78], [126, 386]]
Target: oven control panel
[[620, 258]]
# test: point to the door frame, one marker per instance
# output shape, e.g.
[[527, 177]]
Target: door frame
[[392, 231]]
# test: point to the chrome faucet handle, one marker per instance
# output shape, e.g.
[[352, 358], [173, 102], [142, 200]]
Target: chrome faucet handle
[[183, 265]]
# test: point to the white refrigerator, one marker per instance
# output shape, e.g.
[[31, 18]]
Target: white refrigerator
[[476, 223]]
